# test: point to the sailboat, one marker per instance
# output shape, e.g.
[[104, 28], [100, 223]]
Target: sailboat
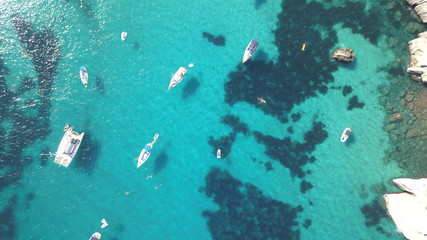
[[250, 49], [146, 151], [177, 77]]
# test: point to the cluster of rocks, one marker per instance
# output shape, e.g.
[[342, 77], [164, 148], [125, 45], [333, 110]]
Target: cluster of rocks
[[344, 55], [417, 68], [406, 126], [420, 7]]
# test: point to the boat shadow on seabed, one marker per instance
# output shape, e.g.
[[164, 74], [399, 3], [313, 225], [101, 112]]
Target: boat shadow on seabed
[[88, 154], [351, 140]]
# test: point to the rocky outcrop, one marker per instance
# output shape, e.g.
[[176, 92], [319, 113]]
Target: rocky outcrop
[[344, 55], [420, 7], [418, 53], [409, 209]]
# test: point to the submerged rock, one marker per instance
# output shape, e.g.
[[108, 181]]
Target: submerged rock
[[344, 55], [417, 68], [420, 7], [409, 209]]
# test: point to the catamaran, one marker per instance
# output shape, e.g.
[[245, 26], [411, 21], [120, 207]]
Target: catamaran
[[95, 236], [146, 151], [345, 134], [68, 146], [250, 49], [84, 76], [177, 77], [123, 35]]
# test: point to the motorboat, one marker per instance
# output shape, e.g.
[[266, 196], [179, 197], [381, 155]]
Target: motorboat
[[95, 236], [177, 77], [345, 134], [218, 153], [250, 49], [84, 76], [146, 151], [123, 35], [68, 146]]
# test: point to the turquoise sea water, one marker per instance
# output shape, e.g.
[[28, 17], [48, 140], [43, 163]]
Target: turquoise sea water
[[284, 175]]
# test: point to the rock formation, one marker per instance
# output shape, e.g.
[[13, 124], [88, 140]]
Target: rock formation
[[420, 7], [409, 209], [418, 53], [345, 55]]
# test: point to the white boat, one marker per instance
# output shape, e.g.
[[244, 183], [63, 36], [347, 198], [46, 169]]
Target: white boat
[[95, 236], [345, 134], [104, 223], [123, 35], [250, 49], [177, 77], [146, 151], [68, 146], [84, 76], [218, 153]]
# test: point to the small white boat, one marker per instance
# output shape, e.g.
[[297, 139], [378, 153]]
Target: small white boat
[[68, 146], [250, 49], [123, 35], [218, 153], [95, 236], [345, 134], [104, 223], [146, 151], [84, 76], [177, 77]]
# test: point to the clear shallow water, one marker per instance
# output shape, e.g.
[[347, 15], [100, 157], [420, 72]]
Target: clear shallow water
[[127, 101]]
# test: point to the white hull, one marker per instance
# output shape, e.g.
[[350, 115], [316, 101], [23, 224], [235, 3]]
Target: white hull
[[250, 50], [123, 35], [68, 147], [84, 76], [177, 77], [345, 134], [218, 153], [146, 151], [144, 155], [95, 236]]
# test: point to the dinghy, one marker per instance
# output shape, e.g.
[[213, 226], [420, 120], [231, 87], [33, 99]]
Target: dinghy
[[146, 151], [123, 35], [345, 134], [84, 76]]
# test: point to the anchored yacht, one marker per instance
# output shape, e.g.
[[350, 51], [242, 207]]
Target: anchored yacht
[[177, 77], [68, 146], [146, 151], [250, 49]]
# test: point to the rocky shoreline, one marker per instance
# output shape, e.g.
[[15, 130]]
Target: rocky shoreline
[[406, 125]]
